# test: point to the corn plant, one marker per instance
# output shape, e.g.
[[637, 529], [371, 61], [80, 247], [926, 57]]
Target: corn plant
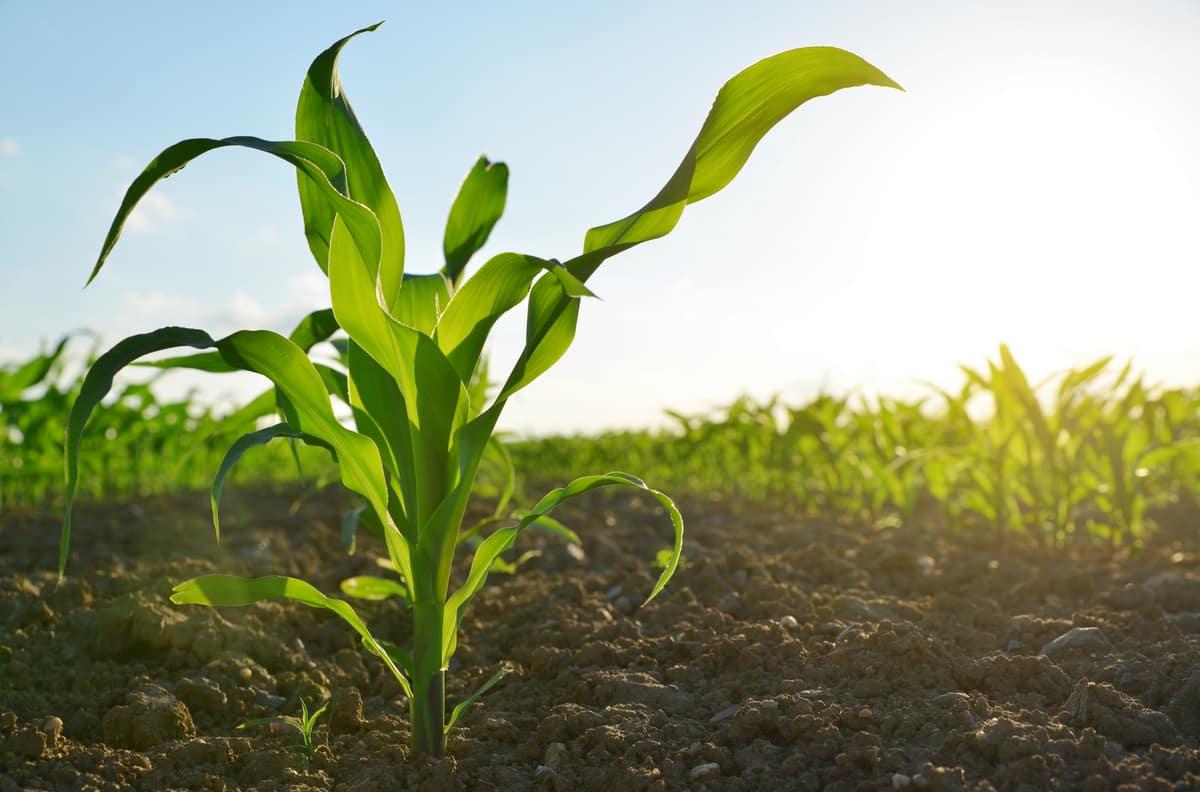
[[304, 724], [415, 342]]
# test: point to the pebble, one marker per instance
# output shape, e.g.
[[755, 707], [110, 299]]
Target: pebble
[[52, 727], [789, 622], [1077, 639], [901, 781], [724, 714], [953, 697], [706, 772], [1014, 645], [576, 552]]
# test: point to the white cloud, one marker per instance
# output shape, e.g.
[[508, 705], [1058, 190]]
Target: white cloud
[[242, 310], [154, 211], [9, 147], [156, 305]]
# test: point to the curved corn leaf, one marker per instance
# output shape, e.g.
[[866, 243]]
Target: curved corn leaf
[[369, 587], [457, 713], [96, 385], [314, 328], [421, 301], [746, 108], [303, 395], [231, 590], [336, 382], [476, 210], [499, 285], [500, 541], [400, 657], [555, 528], [320, 165], [324, 116], [240, 447]]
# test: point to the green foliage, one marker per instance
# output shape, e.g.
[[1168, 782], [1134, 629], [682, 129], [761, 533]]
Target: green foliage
[[140, 444], [1085, 454], [304, 724], [413, 350]]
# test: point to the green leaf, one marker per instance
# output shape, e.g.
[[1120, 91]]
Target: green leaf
[[314, 328], [499, 285], [422, 301], [368, 587], [457, 713], [261, 351], [503, 539], [746, 108], [322, 168], [553, 527], [324, 116], [240, 447], [30, 373], [230, 590], [400, 657], [96, 385], [434, 396], [475, 212]]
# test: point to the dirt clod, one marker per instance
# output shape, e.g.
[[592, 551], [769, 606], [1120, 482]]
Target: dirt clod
[[150, 716]]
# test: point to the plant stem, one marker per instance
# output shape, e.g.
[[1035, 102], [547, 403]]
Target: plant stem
[[427, 710]]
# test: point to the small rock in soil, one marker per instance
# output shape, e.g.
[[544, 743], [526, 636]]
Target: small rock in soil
[[724, 714], [789, 622], [706, 772], [149, 717], [52, 727], [1078, 639]]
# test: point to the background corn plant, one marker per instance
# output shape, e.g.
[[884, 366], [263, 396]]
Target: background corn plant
[[1085, 454], [414, 345], [140, 444]]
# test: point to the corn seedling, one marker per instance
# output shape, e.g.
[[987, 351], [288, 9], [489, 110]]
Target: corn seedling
[[414, 344], [304, 724]]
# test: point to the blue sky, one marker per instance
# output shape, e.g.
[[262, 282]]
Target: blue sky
[[1038, 183]]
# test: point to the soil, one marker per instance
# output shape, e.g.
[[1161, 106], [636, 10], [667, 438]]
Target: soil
[[787, 654]]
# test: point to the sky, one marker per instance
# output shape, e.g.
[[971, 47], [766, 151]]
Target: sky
[[1038, 183]]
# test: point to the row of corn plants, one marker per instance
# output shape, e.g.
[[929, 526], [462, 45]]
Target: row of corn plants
[[420, 424], [1086, 453]]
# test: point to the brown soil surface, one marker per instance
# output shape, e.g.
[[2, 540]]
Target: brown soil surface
[[786, 654]]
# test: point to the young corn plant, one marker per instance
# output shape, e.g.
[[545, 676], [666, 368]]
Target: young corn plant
[[415, 342], [305, 724]]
